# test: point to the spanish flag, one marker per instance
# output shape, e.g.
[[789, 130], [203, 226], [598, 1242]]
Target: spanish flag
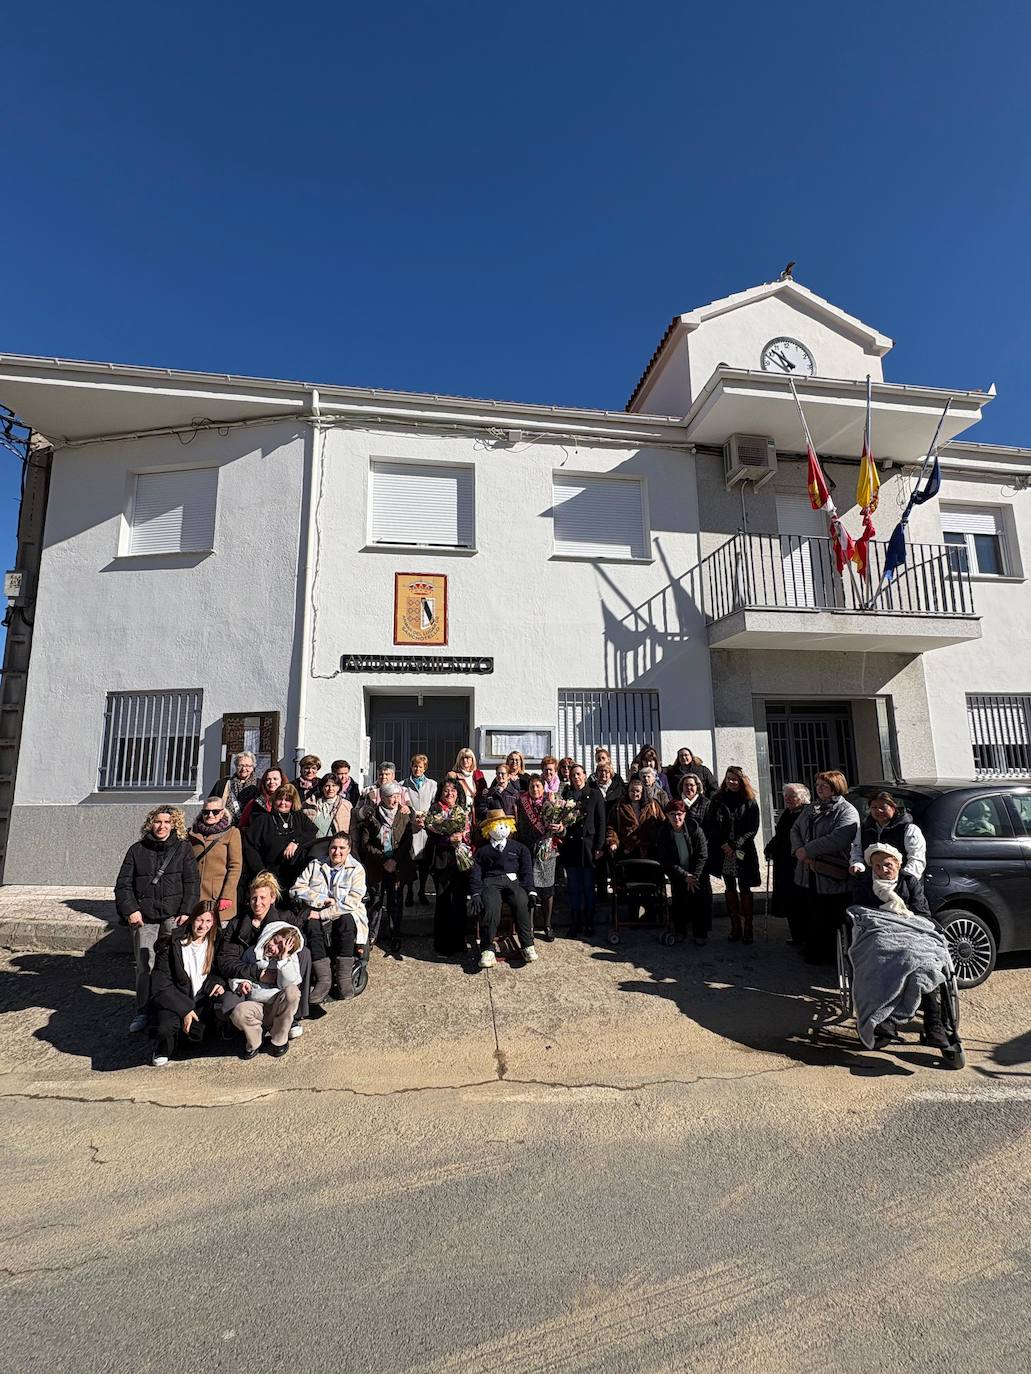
[[867, 489], [819, 492]]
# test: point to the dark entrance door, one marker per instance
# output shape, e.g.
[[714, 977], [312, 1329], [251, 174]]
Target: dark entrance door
[[399, 727], [804, 738]]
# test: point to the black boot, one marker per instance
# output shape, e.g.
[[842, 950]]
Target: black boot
[[934, 1032]]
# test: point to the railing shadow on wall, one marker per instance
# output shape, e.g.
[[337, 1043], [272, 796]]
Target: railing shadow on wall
[[637, 640]]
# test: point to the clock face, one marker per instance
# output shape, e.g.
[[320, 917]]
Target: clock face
[[788, 356]]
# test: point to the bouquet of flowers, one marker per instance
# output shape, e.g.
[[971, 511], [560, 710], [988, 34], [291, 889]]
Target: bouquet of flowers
[[453, 822], [555, 811]]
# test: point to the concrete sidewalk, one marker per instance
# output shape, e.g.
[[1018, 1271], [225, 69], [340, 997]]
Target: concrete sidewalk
[[73, 920]]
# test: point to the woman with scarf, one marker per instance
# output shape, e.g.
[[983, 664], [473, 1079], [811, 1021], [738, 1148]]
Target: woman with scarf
[[218, 853], [307, 783], [549, 775], [603, 758], [271, 781], [185, 986], [682, 851], [385, 850], [332, 892], [688, 762], [653, 789], [581, 849], [503, 793], [542, 839], [277, 841], [821, 839], [787, 898], [240, 787], [648, 758], [472, 785], [332, 816], [450, 883], [732, 853], [634, 825], [419, 791]]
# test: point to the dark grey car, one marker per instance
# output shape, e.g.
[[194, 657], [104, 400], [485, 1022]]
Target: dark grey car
[[978, 878]]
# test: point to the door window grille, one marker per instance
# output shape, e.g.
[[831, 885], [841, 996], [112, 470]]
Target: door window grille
[[999, 735], [151, 740], [622, 722]]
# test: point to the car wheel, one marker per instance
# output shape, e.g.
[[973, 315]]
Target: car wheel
[[972, 946]]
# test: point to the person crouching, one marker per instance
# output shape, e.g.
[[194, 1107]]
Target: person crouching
[[185, 986], [883, 886], [271, 986], [501, 868]]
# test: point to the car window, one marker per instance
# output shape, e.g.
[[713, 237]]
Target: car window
[[982, 819], [916, 803], [1021, 803]]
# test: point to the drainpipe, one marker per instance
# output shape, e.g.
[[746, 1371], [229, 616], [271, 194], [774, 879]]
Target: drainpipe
[[308, 578]]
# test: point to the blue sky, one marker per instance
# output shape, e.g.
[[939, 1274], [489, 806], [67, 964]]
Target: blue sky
[[511, 204]]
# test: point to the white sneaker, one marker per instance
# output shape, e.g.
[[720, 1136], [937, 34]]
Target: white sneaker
[[159, 1060], [138, 1022], [296, 1031], [530, 954], [488, 959]]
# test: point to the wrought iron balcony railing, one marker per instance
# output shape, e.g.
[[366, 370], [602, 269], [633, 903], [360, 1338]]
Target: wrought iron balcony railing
[[795, 572]]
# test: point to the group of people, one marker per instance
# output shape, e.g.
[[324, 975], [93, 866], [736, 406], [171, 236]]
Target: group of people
[[263, 910]]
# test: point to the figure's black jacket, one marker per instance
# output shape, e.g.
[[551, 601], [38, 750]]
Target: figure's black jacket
[[176, 892]]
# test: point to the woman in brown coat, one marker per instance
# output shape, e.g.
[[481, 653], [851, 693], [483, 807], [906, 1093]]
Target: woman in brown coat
[[634, 825], [216, 846]]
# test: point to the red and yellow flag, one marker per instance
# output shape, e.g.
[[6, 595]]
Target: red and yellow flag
[[867, 488], [819, 492]]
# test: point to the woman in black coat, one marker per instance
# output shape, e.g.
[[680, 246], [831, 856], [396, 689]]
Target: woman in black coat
[[683, 852], [277, 841], [733, 855], [685, 763], [582, 848], [788, 900], [157, 887], [186, 984]]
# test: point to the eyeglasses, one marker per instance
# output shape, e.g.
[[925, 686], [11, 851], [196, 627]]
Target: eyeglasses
[[210, 815]]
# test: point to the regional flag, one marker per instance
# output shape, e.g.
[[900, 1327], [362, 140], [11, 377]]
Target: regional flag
[[861, 550], [819, 492], [869, 483]]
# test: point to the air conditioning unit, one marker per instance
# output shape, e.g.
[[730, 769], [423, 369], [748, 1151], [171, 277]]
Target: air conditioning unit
[[749, 458]]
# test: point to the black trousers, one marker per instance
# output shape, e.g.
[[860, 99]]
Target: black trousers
[[493, 891], [388, 892], [692, 908], [825, 912], [451, 888], [167, 1026]]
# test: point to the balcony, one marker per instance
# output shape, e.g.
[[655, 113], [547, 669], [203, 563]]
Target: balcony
[[782, 591]]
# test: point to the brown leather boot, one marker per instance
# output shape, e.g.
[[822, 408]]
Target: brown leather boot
[[734, 912]]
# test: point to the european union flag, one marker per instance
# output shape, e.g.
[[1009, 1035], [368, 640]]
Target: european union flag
[[895, 558]]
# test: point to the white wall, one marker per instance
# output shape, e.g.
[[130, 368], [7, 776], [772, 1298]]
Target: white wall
[[223, 622]]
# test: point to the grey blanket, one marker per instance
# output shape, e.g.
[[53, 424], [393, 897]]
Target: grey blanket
[[895, 959]]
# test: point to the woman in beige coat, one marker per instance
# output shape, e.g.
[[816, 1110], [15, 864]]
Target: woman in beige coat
[[216, 846]]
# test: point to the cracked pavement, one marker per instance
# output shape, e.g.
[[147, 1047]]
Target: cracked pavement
[[634, 1159]]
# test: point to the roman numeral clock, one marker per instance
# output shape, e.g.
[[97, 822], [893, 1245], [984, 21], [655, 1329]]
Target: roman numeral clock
[[788, 356]]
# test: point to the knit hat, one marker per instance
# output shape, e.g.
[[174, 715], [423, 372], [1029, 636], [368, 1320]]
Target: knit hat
[[872, 849], [496, 817]]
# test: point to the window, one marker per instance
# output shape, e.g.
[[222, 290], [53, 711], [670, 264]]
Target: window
[[999, 735], [422, 504], [1020, 802], [173, 512], [599, 517], [496, 743], [975, 538], [151, 740], [983, 819], [621, 722]]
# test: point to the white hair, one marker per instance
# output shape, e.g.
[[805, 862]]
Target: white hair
[[800, 790], [244, 754]]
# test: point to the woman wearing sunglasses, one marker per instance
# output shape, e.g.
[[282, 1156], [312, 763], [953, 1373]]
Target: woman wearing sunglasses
[[216, 846]]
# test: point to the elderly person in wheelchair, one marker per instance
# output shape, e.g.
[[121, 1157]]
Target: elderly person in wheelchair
[[899, 958], [502, 869], [331, 893]]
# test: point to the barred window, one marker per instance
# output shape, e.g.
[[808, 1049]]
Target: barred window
[[621, 722], [151, 740], [1000, 735]]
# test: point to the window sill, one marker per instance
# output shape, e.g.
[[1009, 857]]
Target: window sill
[[996, 577], [432, 550], [597, 558]]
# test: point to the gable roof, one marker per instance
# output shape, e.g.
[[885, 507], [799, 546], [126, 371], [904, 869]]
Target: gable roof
[[873, 339]]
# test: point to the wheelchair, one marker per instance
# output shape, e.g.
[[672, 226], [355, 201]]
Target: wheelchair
[[507, 944], [954, 1055], [641, 882], [360, 966]]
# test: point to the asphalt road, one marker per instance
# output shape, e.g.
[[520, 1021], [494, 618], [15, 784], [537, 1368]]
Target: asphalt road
[[636, 1161]]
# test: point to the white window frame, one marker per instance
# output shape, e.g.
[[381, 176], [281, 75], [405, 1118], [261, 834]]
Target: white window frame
[[569, 551], [161, 716], [412, 546], [1000, 727], [125, 534], [1001, 532]]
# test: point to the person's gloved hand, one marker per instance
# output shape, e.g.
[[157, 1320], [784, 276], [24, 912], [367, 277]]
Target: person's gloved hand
[[475, 906]]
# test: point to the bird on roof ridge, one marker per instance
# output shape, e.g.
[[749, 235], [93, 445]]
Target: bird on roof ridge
[[786, 274]]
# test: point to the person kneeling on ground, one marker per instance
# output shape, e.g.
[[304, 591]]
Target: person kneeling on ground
[[883, 886], [185, 984], [333, 890], [244, 931], [271, 987], [501, 867]]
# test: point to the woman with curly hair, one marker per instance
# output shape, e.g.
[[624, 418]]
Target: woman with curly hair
[[158, 885]]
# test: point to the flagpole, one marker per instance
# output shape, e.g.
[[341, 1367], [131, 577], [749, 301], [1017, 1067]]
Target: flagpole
[[929, 457]]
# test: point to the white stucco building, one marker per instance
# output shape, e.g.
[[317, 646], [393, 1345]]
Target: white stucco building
[[219, 559]]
